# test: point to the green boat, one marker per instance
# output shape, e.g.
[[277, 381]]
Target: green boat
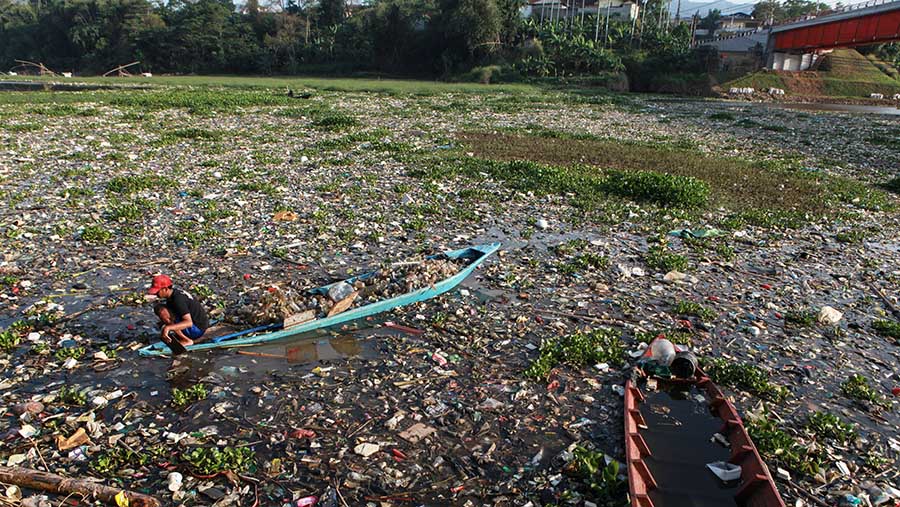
[[264, 334]]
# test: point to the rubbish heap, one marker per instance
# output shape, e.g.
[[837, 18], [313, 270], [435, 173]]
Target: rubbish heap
[[277, 304]]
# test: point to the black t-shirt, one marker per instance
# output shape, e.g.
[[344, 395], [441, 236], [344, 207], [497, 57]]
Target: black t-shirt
[[182, 303]]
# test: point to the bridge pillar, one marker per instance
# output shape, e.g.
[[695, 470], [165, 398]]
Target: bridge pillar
[[792, 61]]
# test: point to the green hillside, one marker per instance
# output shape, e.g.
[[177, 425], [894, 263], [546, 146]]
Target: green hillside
[[843, 73]]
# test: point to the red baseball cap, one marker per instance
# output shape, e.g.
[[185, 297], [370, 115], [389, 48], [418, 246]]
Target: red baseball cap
[[160, 282]]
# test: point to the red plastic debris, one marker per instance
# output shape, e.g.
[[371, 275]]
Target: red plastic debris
[[131, 327], [779, 315], [307, 501], [303, 433], [766, 286], [246, 276], [439, 359], [538, 319], [895, 391], [553, 386], [398, 454], [457, 489]]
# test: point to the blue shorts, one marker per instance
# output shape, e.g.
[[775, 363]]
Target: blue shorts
[[193, 332]]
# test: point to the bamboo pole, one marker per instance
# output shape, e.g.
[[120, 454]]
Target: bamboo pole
[[45, 481], [121, 68]]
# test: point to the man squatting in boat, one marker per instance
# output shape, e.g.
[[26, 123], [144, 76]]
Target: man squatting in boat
[[181, 316]]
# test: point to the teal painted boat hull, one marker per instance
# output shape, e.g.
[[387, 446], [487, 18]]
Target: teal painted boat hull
[[478, 254]]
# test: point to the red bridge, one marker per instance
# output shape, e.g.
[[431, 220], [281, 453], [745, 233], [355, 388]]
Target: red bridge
[[870, 23]]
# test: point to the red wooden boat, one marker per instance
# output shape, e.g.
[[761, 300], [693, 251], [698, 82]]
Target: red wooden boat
[[667, 460]]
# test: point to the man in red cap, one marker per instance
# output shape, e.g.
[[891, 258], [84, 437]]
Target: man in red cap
[[183, 318]]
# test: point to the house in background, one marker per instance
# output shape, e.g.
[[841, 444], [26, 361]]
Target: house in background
[[618, 9], [741, 52], [624, 10], [737, 22]]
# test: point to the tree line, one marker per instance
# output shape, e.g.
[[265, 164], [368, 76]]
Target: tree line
[[404, 37]]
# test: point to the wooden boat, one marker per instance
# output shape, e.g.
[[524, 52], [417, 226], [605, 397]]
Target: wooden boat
[[667, 462], [263, 334]]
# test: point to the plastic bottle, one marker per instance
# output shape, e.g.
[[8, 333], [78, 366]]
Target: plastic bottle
[[662, 351]]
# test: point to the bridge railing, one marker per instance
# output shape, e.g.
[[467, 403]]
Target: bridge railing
[[842, 10]]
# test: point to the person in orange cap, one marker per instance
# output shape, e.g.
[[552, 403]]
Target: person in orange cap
[[182, 317]]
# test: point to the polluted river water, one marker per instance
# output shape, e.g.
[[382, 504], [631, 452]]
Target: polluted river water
[[445, 417]]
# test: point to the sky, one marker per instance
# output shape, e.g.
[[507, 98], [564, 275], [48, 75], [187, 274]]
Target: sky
[[730, 7]]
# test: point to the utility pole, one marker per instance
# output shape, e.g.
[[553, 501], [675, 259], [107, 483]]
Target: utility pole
[[606, 28], [597, 22], [570, 15], [641, 33], [694, 19], [668, 14], [543, 2], [634, 22], [582, 15]]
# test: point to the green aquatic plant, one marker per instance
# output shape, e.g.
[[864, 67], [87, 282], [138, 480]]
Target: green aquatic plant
[[110, 463], [604, 486], [857, 387], [684, 307], [211, 460], [335, 122], [579, 349], [887, 328], [587, 261], [69, 352], [800, 318], [71, 396], [826, 425], [96, 234], [659, 258], [852, 236], [9, 340], [744, 376], [184, 397], [134, 183], [778, 446]]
